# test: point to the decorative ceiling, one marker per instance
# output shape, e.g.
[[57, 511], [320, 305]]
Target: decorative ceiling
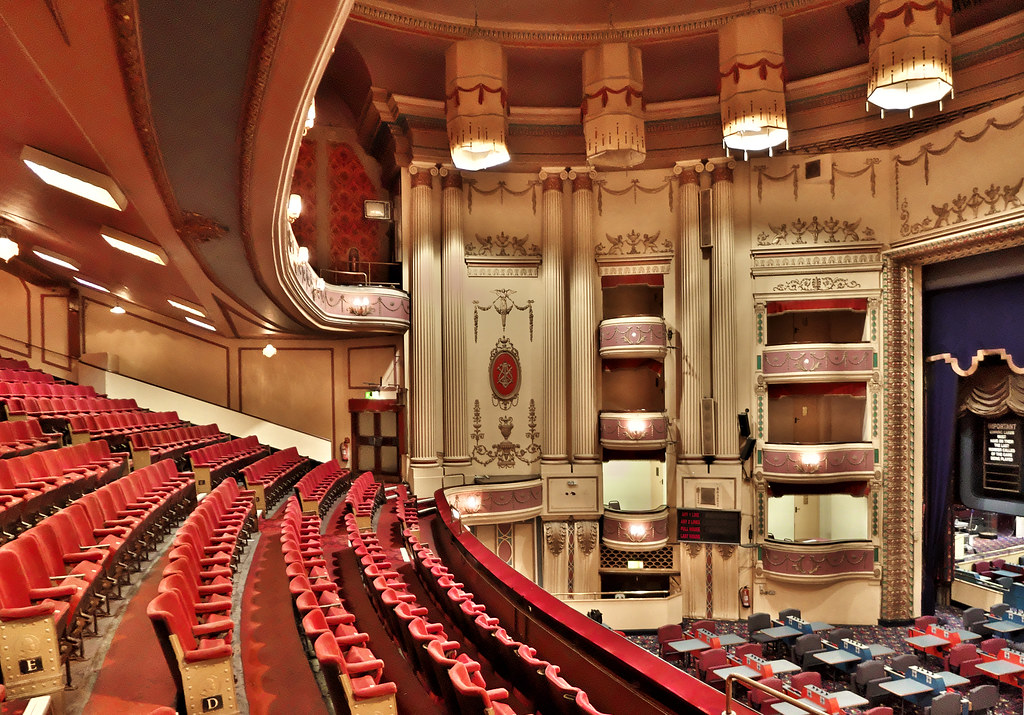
[[193, 109]]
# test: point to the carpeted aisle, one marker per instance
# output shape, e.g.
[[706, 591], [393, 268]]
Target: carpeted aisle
[[278, 678], [134, 678]]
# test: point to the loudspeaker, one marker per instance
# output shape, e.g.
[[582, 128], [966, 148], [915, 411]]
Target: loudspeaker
[[743, 419], [747, 449], [707, 426]]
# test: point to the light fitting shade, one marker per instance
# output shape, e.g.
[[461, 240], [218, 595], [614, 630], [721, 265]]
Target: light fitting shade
[[476, 104], [613, 108], [73, 178], [909, 53], [753, 78], [294, 207], [8, 248]]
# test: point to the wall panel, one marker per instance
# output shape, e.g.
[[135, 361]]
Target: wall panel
[[294, 388]]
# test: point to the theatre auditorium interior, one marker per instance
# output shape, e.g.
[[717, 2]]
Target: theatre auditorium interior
[[500, 357]]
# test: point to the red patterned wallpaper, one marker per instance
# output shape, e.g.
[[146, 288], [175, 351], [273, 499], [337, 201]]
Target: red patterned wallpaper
[[353, 238], [304, 184]]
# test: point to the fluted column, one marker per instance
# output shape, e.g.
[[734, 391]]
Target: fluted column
[[424, 441], [693, 317], [453, 323], [723, 306], [583, 326], [553, 428]]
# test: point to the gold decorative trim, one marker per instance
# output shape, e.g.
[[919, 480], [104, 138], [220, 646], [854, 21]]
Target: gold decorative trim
[[899, 268], [555, 535], [379, 13]]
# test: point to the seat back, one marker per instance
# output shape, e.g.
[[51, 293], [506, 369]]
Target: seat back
[[758, 622], [946, 704], [801, 680], [983, 697]]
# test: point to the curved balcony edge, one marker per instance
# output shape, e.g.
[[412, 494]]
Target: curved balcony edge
[[823, 562], [497, 503], [633, 430]]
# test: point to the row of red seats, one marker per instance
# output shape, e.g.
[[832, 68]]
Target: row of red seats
[[66, 406], [116, 427], [55, 576], [44, 389], [24, 374], [154, 445], [363, 498], [318, 489], [225, 458], [271, 476], [7, 363], [47, 480], [353, 673], [23, 437], [191, 612], [519, 661], [453, 675]]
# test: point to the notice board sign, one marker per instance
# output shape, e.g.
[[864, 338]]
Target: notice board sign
[[1002, 455], [717, 525]]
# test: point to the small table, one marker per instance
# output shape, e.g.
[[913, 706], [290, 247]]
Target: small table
[[781, 666], [730, 639], [817, 626], [837, 657], [952, 680], [878, 650], [1003, 626], [927, 643], [1001, 670], [743, 670], [1002, 573], [688, 647], [785, 708], [908, 689], [848, 699], [781, 632]]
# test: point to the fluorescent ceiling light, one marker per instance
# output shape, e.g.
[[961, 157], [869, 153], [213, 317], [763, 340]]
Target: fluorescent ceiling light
[[8, 248], [181, 304], [134, 245], [200, 323], [90, 284], [56, 258], [74, 178]]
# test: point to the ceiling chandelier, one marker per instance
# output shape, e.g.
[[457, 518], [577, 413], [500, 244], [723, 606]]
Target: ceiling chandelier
[[476, 104], [909, 53], [613, 108], [753, 83]]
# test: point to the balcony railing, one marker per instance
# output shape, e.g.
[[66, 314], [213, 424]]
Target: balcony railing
[[635, 530], [642, 336], [817, 361], [633, 430], [817, 562], [818, 463]]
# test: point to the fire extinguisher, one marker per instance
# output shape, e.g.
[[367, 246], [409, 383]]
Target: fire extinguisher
[[343, 449], [745, 596]]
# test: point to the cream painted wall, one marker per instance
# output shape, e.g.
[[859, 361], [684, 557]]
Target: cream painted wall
[[34, 325], [636, 485], [306, 386]]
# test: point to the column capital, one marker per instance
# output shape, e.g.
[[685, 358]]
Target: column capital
[[688, 171], [552, 182], [422, 174], [721, 169], [581, 181], [451, 179]]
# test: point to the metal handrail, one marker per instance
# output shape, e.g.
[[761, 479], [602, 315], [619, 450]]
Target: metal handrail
[[751, 683]]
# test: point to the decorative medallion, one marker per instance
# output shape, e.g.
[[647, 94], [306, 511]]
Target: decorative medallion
[[505, 373]]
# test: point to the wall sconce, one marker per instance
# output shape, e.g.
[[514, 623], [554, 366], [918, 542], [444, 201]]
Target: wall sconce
[[118, 309], [269, 351], [638, 532], [810, 462], [294, 207], [637, 429], [360, 305], [321, 285], [472, 503], [302, 256]]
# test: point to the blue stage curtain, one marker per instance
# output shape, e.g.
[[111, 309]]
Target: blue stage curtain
[[940, 423], [959, 321]]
